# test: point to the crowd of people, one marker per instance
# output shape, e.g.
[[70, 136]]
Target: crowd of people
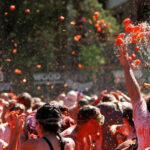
[[74, 121]]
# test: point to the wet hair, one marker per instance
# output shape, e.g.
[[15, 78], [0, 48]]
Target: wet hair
[[25, 99], [17, 107], [109, 98], [49, 116], [87, 113], [83, 102], [36, 106], [128, 114], [147, 99]]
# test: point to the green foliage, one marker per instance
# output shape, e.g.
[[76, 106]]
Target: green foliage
[[92, 55], [42, 38]]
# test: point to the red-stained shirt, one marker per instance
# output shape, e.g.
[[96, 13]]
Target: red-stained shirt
[[141, 117], [4, 132]]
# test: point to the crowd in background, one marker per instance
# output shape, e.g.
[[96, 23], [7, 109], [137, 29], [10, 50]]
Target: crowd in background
[[108, 121]]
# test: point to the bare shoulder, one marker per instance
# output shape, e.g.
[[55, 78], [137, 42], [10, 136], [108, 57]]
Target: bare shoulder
[[31, 144], [69, 144], [68, 131]]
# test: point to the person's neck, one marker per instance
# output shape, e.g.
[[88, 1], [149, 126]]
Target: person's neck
[[48, 134]]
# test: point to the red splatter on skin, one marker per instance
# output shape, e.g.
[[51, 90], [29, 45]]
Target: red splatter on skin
[[12, 7]]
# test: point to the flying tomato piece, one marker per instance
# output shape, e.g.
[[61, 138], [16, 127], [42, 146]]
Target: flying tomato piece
[[12, 7], [27, 11], [104, 26], [133, 56], [126, 21], [14, 51], [128, 28], [73, 22], [132, 65], [38, 66], [137, 62], [119, 41], [80, 66], [77, 37], [147, 85], [136, 29], [137, 48], [99, 29], [130, 59], [61, 18], [121, 35], [96, 14], [24, 81], [17, 71], [83, 19], [134, 38]]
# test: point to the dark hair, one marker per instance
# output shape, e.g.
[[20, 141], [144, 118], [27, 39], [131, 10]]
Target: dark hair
[[49, 117], [87, 113], [108, 98], [147, 99], [36, 106], [17, 107], [82, 102], [25, 99], [128, 114]]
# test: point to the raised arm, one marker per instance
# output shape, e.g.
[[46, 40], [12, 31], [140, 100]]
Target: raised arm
[[16, 130], [131, 82]]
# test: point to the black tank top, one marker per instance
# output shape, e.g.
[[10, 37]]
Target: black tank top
[[50, 144]]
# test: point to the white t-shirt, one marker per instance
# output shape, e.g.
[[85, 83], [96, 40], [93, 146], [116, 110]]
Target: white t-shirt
[[5, 132], [141, 117]]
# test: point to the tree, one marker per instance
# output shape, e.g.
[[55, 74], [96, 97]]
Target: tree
[[40, 37]]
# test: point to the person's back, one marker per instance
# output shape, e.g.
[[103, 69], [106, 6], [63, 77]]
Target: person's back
[[113, 115], [48, 124], [40, 143]]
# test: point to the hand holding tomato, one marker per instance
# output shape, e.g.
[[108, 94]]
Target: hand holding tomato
[[124, 58]]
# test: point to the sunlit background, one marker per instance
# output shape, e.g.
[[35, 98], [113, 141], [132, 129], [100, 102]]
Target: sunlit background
[[49, 47]]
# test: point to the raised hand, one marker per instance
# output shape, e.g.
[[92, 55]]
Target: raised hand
[[123, 57]]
